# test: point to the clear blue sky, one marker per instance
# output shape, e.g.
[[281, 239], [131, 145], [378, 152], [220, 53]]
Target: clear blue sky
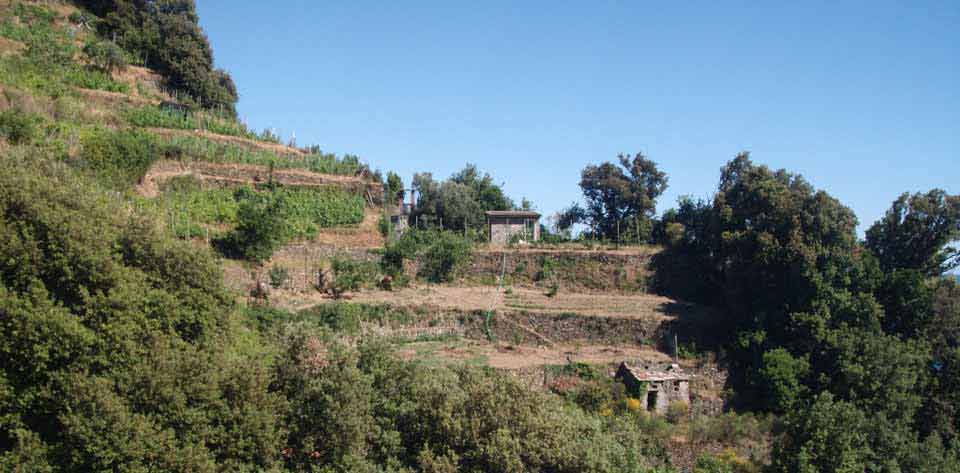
[[861, 98]]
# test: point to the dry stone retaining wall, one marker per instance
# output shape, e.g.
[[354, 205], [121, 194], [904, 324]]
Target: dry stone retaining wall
[[581, 271]]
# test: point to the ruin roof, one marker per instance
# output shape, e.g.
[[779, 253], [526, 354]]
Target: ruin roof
[[643, 373], [512, 213]]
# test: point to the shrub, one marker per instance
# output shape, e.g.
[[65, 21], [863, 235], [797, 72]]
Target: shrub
[[262, 226], [105, 55], [18, 127], [444, 258], [677, 411], [118, 158], [352, 275], [346, 317], [279, 276]]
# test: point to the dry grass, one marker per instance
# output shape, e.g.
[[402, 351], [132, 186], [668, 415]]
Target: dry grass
[[10, 47], [514, 357], [236, 174], [435, 297], [366, 235], [573, 249]]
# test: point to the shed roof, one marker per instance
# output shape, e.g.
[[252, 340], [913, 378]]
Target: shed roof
[[641, 373], [512, 213]]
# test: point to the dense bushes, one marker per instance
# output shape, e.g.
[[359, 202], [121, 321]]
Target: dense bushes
[[363, 410], [166, 37], [819, 328], [351, 275], [267, 219], [105, 55], [118, 348], [118, 158], [18, 127], [439, 255]]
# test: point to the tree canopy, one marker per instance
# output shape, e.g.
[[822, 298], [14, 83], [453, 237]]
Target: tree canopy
[[915, 233], [620, 198], [458, 203], [166, 36]]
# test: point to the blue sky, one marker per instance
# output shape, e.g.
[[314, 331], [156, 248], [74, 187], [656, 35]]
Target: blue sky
[[862, 98]]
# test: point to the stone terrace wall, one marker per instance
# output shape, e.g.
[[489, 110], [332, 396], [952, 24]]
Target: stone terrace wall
[[577, 270], [527, 327], [237, 174]]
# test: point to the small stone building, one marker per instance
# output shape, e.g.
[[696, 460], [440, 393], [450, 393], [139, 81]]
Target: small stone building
[[655, 386], [503, 225]]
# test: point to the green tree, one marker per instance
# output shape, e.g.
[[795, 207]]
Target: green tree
[[105, 55], [915, 233], [782, 379], [458, 203], [830, 436], [620, 199], [393, 190], [262, 225]]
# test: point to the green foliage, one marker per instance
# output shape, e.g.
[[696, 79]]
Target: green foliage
[[150, 116], [363, 408], [458, 203], [299, 213], [677, 411], [19, 128], [105, 55], [782, 379], [393, 189], [262, 226], [445, 257], [830, 436], [915, 233], [621, 200], [279, 275], [730, 428], [347, 318], [203, 149], [439, 255], [352, 275], [168, 39], [118, 158], [854, 356], [48, 65], [181, 119], [117, 346]]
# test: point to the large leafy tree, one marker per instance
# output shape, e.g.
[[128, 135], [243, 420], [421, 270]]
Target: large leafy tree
[[816, 329], [460, 202], [166, 36], [621, 197], [916, 231]]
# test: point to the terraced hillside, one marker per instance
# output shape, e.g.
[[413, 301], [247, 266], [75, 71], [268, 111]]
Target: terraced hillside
[[123, 125]]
